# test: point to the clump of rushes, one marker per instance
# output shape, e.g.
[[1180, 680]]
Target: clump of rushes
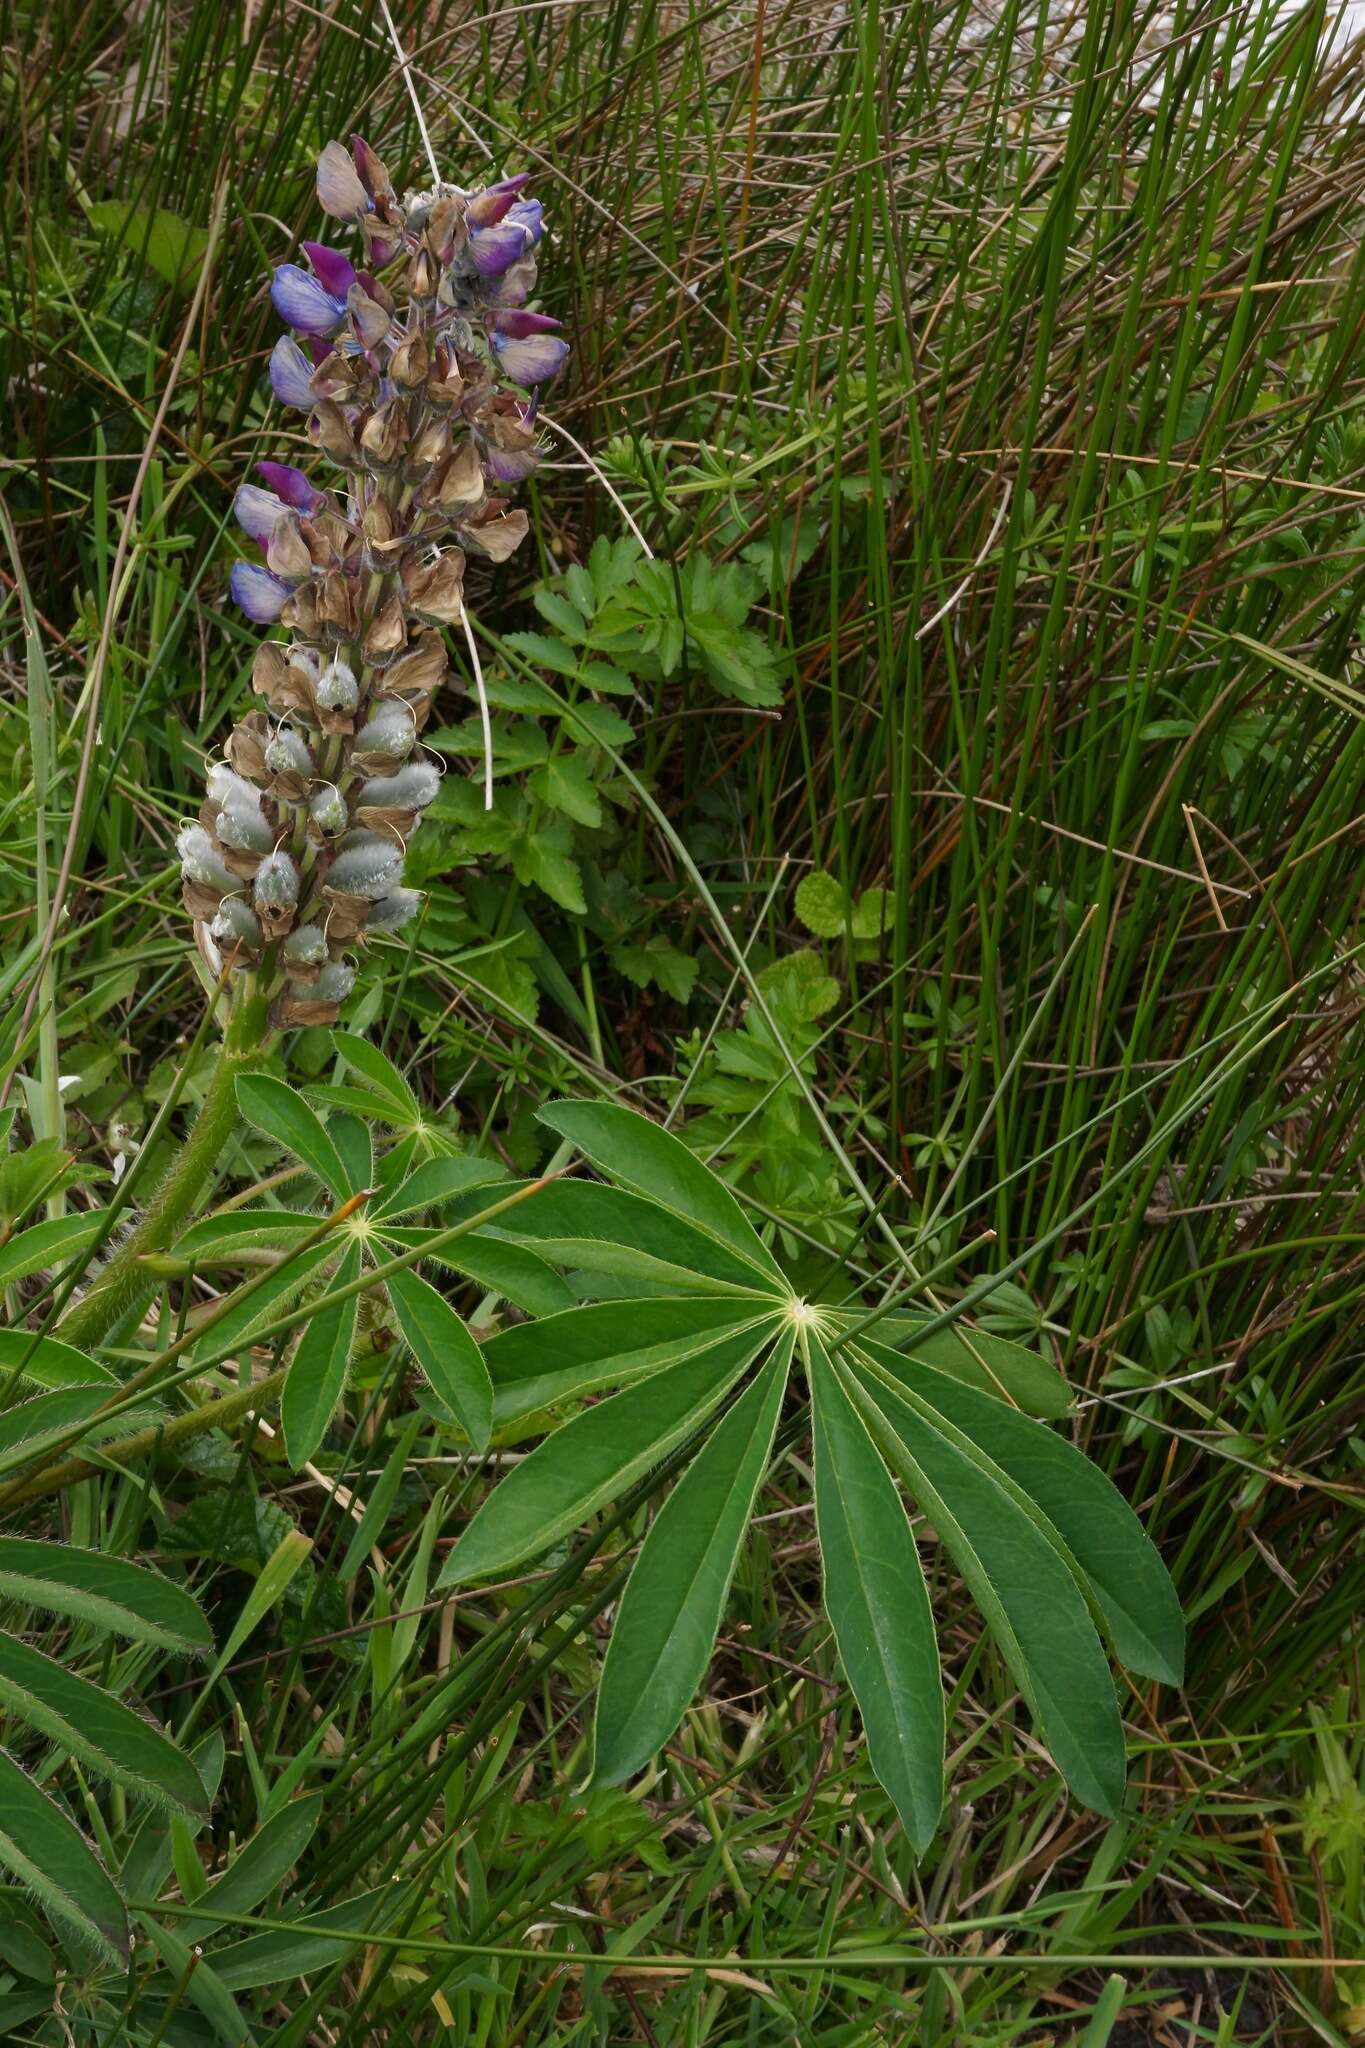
[[420, 381], [419, 374]]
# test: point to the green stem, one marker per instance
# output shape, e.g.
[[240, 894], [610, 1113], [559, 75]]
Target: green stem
[[124, 1285]]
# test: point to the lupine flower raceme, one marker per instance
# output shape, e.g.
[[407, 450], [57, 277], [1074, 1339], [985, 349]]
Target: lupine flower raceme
[[418, 367]]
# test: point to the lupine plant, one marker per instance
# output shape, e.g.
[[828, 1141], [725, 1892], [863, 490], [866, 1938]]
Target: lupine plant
[[641, 1326]]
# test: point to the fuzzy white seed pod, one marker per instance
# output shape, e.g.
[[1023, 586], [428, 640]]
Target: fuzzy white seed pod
[[390, 729], [200, 862], [369, 866], [242, 825], [226, 786], [327, 807], [393, 911], [411, 789], [337, 688], [334, 984], [236, 921], [277, 882], [287, 753], [306, 946]]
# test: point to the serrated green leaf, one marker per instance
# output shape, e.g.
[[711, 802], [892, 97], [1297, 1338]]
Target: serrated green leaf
[[822, 905], [878, 1604], [641, 1156], [541, 858], [1104, 1536], [565, 784], [47, 1362], [50, 1856], [95, 1727], [1024, 1588], [559, 613], [451, 1361], [656, 962], [317, 1372], [592, 1459], [534, 1365], [281, 1112], [109, 1592], [672, 1606]]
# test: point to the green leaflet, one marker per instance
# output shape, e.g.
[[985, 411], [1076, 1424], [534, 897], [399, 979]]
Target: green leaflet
[[436, 1182], [518, 1275], [451, 1361], [610, 1231], [878, 1603], [94, 1726], [641, 1156], [317, 1371], [47, 1362], [995, 1364], [593, 1458], [672, 1606], [244, 1230], [46, 1244], [380, 1073], [1025, 1590], [535, 1364], [50, 1856], [30, 1427], [1108, 1542], [274, 1958], [261, 1863], [109, 1592], [281, 1112], [235, 1322]]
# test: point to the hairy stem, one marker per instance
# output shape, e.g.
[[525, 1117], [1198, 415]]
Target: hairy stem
[[124, 1286]]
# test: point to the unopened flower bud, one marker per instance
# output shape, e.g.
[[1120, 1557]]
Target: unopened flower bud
[[393, 911], [306, 946], [368, 866], [327, 808], [388, 730], [337, 688], [235, 923], [200, 860]]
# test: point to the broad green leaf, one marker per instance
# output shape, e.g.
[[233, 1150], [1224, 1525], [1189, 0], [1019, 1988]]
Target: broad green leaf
[[53, 1861], [240, 1314], [533, 1365], [380, 1072], [1103, 1535], [32, 1426], [878, 1604], [47, 1244], [451, 1361], [822, 904], [592, 1459], [996, 1364], [331, 1936], [281, 1112], [109, 1592], [620, 1235], [244, 1230], [317, 1371], [1024, 1588], [518, 1275], [672, 1606], [640, 1155], [437, 1182], [23, 1946], [47, 1362], [173, 247], [95, 1727], [355, 1147], [196, 1980], [262, 1863]]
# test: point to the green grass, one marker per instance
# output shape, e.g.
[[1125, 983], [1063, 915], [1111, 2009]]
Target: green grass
[[1024, 379]]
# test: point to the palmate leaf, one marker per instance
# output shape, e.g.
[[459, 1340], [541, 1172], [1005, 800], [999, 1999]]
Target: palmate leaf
[[689, 1301]]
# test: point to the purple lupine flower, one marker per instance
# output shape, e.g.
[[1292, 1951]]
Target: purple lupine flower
[[304, 301], [340, 191], [291, 374], [258, 512], [527, 347], [335, 272], [290, 484], [485, 209], [261, 596], [514, 287], [493, 250], [529, 214]]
